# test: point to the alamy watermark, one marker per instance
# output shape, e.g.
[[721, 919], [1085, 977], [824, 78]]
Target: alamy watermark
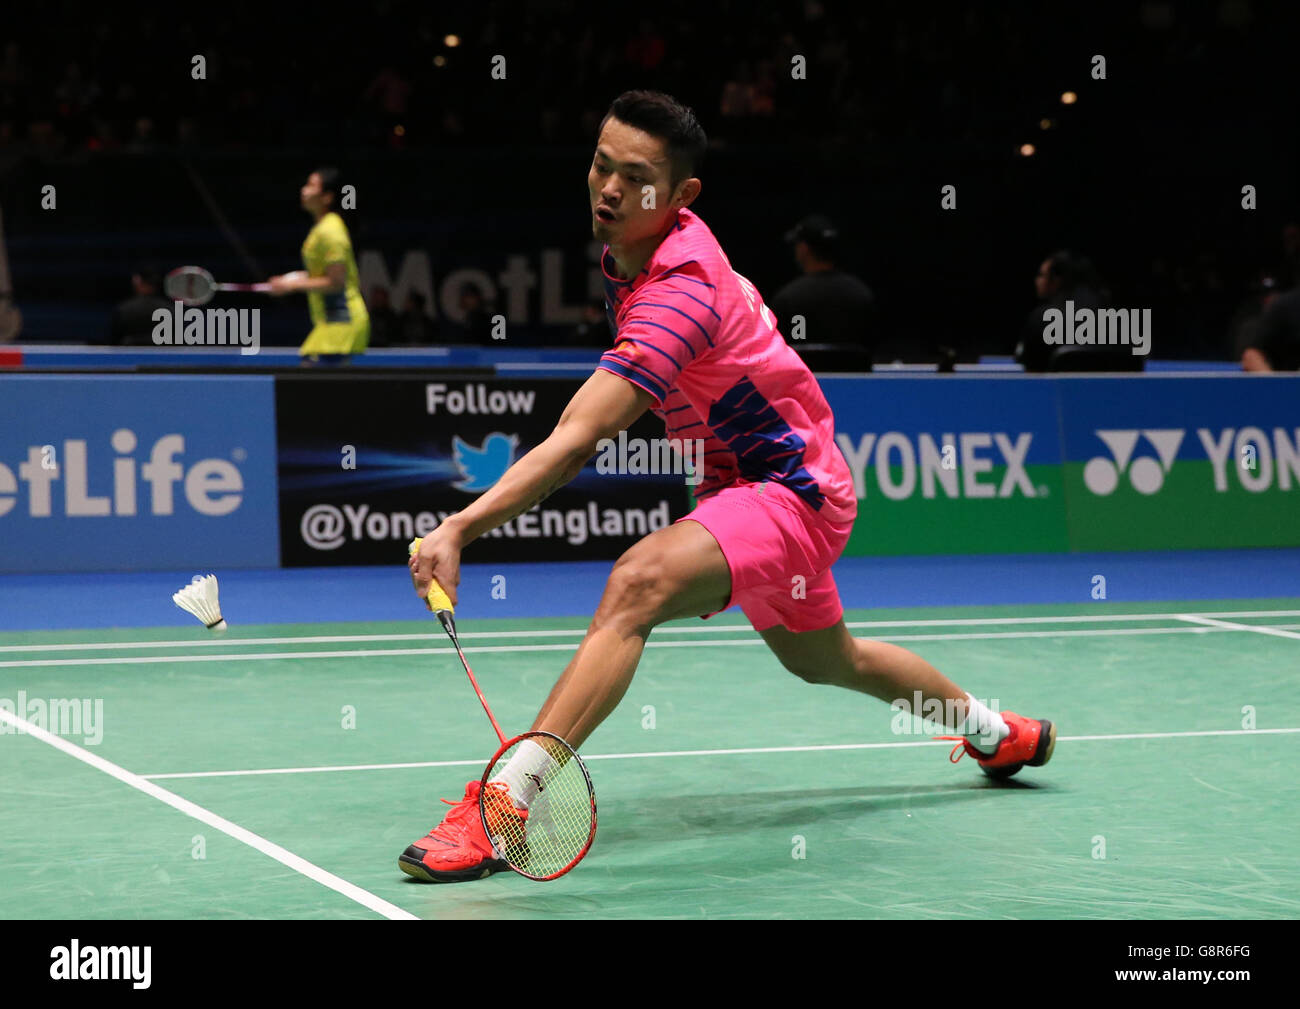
[[940, 712], [75, 962], [208, 327], [1101, 327], [61, 716], [641, 456]]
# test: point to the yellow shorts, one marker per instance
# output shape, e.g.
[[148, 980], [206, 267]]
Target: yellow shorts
[[337, 338]]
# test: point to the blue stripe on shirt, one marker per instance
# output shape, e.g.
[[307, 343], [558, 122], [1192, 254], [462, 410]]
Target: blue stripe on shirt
[[673, 308], [647, 322], [662, 353], [628, 371]]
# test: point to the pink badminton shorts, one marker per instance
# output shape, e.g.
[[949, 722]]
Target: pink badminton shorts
[[780, 554]]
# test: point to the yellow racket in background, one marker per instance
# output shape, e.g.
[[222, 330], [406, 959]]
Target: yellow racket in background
[[555, 831]]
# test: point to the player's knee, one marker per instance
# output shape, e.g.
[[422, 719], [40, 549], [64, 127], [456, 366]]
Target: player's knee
[[809, 672], [637, 590]]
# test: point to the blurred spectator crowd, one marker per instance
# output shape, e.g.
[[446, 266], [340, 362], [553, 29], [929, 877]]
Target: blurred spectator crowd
[[888, 76]]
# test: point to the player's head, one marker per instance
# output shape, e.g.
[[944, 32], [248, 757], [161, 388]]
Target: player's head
[[649, 149], [320, 193]]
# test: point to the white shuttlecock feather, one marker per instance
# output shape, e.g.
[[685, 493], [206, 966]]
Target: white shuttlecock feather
[[200, 598]]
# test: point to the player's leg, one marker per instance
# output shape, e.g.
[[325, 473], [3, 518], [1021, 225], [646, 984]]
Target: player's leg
[[679, 571], [793, 602], [1003, 742], [674, 572], [888, 672]]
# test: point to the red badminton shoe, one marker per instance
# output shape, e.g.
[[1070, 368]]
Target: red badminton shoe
[[1030, 742], [458, 849]]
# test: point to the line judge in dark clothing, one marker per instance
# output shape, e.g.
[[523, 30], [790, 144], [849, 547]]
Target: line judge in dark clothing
[[1062, 276], [837, 307], [133, 323], [1274, 343]]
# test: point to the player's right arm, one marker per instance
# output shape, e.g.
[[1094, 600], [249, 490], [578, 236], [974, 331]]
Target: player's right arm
[[605, 405]]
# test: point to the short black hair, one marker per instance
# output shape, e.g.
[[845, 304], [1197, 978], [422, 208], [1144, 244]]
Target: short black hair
[[330, 183], [665, 118], [1072, 270]]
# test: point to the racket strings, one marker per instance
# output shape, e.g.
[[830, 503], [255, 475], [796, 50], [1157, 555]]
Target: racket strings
[[556, 827], [190, 285]]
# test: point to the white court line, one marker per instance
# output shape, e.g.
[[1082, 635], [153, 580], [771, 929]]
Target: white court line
[[217, 641], [268, 848], [712, 753], [1196, 618], [368, 653]]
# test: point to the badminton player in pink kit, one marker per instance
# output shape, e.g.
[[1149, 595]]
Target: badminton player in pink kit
[[694, 343]]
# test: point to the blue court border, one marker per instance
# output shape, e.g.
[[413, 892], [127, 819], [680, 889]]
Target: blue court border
[[62, 601]]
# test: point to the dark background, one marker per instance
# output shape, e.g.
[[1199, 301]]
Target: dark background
[[1143, 174]]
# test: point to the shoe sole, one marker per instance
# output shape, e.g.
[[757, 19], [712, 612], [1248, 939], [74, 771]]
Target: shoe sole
[[1042, 753], [413, 866]]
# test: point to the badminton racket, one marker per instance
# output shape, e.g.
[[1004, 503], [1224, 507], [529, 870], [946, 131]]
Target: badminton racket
[[193, 285], [554, 830]]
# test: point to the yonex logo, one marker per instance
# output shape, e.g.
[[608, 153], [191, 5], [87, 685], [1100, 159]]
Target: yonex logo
[[955, 464], [1146, 475], [536, 780]]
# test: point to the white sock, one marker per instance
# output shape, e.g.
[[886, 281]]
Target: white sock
[[984, 728], [525, 773]]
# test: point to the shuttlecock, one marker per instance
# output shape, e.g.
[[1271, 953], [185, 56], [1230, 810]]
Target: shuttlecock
[[200, 598]]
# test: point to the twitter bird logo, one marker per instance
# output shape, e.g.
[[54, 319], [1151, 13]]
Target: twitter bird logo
[[483, 466]]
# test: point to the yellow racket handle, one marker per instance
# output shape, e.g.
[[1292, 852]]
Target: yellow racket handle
[[437, 600]]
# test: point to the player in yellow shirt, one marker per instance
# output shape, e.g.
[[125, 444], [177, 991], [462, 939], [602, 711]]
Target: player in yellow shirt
[[340, 323]]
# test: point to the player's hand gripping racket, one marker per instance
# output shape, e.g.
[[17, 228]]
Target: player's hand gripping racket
[[537, 771], [193, 285]]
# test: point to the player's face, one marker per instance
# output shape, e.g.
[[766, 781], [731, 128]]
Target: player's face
[[629, 185], [310, 194]]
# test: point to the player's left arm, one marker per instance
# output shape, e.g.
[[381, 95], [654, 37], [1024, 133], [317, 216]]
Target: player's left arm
[[334, 279], [333, 246], [605, 405]]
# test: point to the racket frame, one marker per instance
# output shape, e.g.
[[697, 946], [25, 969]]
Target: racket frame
[[178, 275], [591, 794], [447, 618]]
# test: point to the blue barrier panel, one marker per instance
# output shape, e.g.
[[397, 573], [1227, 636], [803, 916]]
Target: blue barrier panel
[[950, 464], [1080, 463], [571, 360], [115, 472], [1181, 462]]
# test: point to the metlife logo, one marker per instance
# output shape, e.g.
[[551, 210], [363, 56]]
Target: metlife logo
[[54, 480], [147, 472]]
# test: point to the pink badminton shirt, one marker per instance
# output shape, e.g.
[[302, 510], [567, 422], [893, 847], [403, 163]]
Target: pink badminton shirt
[[695, 335]]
